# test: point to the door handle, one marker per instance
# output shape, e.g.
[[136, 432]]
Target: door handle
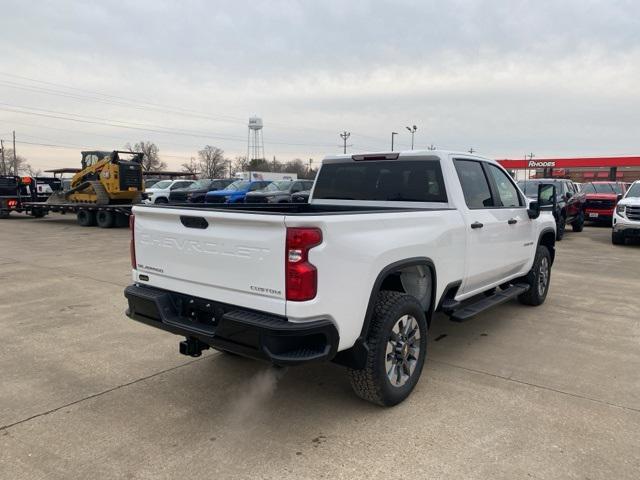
[[477, 225], [512, 221]]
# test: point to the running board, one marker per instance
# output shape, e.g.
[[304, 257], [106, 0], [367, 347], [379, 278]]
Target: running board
[[462, 312]]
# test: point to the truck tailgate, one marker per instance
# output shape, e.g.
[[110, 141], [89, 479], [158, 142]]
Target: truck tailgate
[[230, 257]]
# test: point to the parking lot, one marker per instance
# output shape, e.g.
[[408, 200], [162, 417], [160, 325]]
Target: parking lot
[[518, 392]]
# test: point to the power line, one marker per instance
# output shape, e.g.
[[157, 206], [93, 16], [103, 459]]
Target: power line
[[135, 126], [130, 103]]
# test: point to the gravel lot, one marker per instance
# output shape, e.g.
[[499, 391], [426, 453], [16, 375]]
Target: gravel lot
[[518, 392]]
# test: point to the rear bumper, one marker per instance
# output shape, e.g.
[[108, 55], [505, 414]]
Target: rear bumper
[[226, 327]]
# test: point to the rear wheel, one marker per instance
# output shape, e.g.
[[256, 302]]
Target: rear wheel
[[538, 278], [397, 341], [161, 200], [617, 238], [37, 213], [105, 219], [86, 218], [4, 214]]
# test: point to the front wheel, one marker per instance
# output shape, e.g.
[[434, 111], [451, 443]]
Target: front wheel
[[617, 238], [397, 343], [161, 200], [578, 224], [538, 278]]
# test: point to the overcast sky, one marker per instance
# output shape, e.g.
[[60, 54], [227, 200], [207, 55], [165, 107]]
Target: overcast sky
[[556, 78]]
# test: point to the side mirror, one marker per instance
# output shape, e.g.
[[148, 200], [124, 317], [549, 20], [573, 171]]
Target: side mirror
[[569, 195], [546, 199], [618, 197]]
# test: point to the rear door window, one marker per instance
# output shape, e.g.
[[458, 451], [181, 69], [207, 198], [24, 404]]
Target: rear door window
[[475, 185], [507, 192], [382, 180]]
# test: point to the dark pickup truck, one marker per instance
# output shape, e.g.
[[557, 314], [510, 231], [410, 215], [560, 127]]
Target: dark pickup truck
[[14, 192], [570, 202]]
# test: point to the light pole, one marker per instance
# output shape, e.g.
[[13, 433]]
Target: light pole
[[412, 130], [344, 136], [393, 134]]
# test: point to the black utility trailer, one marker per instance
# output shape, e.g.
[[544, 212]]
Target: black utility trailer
[[87, 214]]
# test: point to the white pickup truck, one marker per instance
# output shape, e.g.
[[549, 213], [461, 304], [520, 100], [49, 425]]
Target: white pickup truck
[[626, 217], [355, 275]]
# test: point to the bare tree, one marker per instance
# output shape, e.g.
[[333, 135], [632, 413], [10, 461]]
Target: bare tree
[[191, 166], [33, 172], [151, 160], [240, 164], [15, 164], [296, 166], [212, 162]]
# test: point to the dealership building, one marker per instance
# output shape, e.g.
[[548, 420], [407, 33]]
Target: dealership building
[[583, 169]]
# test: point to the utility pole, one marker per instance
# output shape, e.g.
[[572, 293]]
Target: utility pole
[[15, 159], [344, 136], [3, 170], [471, 150], [412, 130], [393, 134], [431, 147]]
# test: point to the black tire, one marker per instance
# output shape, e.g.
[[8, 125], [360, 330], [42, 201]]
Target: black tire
[[38, 213], [372, 383], [560, 227], [578, 223], [105, 218], [121, 220], [160, 200], [617, 238], [4, 214], [86, 218], [537, 292]]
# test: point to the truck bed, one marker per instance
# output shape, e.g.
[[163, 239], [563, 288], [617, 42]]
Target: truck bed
[[294, 209]]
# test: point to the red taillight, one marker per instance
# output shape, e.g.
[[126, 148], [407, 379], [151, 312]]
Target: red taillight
[[302, 276], [132, 243], [12, 203]]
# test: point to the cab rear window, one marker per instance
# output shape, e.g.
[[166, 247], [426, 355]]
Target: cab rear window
[[382, 180]]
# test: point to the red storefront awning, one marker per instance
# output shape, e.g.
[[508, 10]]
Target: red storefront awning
[[590, 162]]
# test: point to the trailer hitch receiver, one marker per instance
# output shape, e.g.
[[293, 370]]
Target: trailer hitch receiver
[[192, 347]]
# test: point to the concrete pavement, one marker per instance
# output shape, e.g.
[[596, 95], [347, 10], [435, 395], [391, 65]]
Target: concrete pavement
[[518, 392]]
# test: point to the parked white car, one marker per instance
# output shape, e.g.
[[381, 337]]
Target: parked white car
[[626, 217], [354, 275], [159, 192]]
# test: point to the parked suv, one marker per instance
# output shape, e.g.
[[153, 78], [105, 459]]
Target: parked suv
[[569, 202], [601, 199], [278, 192], [195, 192], [626, 218], [235, 192], [159, 192]]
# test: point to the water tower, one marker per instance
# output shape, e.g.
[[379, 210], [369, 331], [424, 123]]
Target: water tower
[[255, 142]]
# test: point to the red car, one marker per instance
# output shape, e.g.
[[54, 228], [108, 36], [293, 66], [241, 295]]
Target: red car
[[602, 198]]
